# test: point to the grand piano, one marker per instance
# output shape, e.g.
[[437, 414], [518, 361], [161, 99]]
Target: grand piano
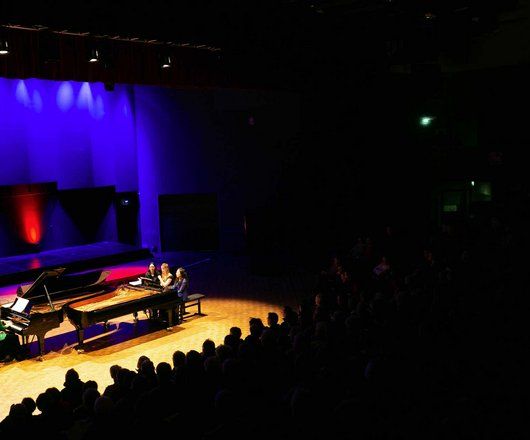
[[38, 306], [125, 299]]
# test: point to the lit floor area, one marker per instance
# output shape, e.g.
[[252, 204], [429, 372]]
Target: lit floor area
[[232, 297]]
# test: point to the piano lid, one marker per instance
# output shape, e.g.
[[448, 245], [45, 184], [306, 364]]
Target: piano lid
[[30, 290], [59, 285]]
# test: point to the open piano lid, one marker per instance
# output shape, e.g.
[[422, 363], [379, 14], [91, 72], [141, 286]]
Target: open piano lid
[[60, 285]]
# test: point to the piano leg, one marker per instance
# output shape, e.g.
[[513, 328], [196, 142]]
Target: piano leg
[[80, 337], [169, 319], [40, 338]]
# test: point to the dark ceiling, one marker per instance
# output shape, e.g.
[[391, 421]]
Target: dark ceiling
[[298, 35]]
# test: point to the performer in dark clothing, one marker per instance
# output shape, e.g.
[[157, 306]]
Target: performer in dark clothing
[[9, 345], [152, 273], [182, 283], [181, 286]]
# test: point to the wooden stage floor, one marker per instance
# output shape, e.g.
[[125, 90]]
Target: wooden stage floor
[[233, 297]]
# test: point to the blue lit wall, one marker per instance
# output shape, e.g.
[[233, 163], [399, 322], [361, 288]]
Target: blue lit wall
[[77, 134], [152, 140]]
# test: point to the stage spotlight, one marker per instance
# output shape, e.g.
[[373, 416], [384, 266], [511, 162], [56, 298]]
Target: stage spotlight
[[166, 62], [4, 47], [94, 56]]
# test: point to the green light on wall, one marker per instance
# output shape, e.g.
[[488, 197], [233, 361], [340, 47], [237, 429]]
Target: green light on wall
[[426, 121]]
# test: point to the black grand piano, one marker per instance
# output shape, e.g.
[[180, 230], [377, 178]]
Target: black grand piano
[[125, 299], [38, 307]]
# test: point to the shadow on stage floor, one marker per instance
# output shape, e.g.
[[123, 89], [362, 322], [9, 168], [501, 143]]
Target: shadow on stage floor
[[117, 337]]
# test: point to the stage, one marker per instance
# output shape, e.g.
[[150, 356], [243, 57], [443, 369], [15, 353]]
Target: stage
[[233, 295], [19, 268]]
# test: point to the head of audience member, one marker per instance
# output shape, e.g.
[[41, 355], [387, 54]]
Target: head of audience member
[[247, 351], [163, 373], [30, 404], [231, 341], [212, 366], [257, 323], [139, 386], [179, 359], [126, 376], [272, 319], [141, 359], [55, 396], [44, 403], [194, 360], [115, 369], [255, 331], [71, 378], [90, 384], [290, 317], [224, 352], [208, 348], [236, 331], [147, 368], [18, 413]]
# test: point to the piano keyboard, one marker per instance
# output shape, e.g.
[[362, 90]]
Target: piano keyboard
[[13, 326]]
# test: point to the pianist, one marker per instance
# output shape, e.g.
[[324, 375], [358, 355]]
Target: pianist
[[181, 283], [9, 345], [151, 279], [152, 273], [181, 288], [165, 277]]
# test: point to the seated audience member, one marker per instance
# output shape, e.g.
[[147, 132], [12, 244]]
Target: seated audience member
[[236, 331], [236, 340], [113, 388], [208, 349], [72, 392], [140, 361]]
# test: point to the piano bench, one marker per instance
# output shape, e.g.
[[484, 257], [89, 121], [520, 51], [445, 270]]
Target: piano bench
[[192, 301]]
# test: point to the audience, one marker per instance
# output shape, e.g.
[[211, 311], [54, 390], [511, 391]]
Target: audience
[[373, 352]]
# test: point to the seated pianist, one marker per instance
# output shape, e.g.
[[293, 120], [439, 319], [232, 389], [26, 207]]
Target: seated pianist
[[151, 277], [152, 274], [9, 345], [166, 277], [181, 286]]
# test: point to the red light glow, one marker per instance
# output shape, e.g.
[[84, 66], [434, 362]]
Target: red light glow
[[29, 217]]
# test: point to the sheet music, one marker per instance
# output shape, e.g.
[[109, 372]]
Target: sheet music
[[136, 283], [19, 305]]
